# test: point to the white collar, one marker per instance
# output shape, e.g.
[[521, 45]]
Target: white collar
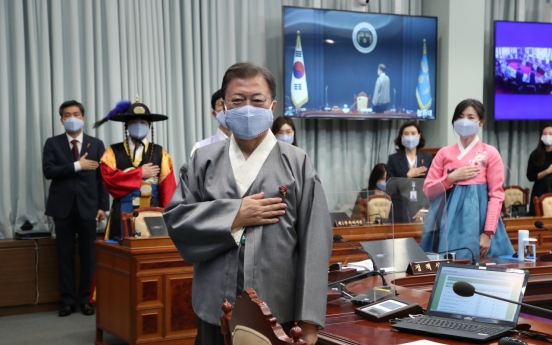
[[221, 134], [78, 138], [412, 162], [131, 143], [464, 151], [246, 171]]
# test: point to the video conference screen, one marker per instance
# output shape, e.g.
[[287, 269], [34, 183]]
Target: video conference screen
[[357, 65], [523, 71]]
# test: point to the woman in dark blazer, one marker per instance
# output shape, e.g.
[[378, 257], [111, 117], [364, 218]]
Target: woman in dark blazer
[[539, 166], [408, 162]]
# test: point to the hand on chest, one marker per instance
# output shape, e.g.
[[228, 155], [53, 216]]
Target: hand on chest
[[476, 158]]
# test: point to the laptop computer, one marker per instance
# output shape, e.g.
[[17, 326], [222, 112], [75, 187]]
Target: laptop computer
[[404, 251], [471, 319], [156, 226]]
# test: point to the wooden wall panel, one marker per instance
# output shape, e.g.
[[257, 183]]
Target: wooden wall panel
[[179, 312], [48, 282], [150, 325], [113, 291], [17, 274]]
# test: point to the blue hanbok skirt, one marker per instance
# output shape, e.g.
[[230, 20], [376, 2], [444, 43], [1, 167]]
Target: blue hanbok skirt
[[464, 211]]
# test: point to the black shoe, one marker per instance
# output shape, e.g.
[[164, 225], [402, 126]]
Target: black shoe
[[66, 310], [87, 309]]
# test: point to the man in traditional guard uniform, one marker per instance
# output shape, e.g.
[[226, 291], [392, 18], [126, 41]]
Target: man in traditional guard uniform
[[136, 173]]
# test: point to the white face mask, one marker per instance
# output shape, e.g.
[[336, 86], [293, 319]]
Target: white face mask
[[221, 118], [410, 142], [73, 125], [138, 130], [547, 140], [466, 128], [248, 122]]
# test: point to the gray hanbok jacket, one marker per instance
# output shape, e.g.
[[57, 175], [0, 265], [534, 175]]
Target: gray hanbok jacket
[[286, 262]]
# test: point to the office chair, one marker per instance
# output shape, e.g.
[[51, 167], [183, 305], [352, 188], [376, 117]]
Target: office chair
[[251, 323], [134, 221]]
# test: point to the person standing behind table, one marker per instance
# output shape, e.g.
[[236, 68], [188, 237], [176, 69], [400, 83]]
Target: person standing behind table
[[251, 212], [532, 78], [519, 78], [539, 166], [136, 173], [223, 132], [77, 200], [408, 163], [472, 173], [381, 91], [284, 130]]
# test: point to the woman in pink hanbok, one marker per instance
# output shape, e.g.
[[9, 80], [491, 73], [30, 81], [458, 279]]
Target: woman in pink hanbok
[[464, 185]]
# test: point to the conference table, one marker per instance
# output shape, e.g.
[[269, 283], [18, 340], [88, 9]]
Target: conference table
[[344, 327], [341, 252], [144, 288]]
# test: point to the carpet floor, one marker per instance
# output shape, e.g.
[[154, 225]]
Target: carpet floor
[[50, 329]]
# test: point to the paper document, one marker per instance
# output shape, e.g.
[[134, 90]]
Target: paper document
[[388, 269], [423, 342], [365, 265]]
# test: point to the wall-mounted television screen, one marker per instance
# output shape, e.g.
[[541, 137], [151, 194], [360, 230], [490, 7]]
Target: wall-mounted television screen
[[358, 65], [523, 71]]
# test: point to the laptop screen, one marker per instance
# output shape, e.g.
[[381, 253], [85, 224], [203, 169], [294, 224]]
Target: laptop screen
[[500, 282]]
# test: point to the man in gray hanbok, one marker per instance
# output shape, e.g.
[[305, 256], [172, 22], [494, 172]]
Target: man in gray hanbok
[[251, 212]]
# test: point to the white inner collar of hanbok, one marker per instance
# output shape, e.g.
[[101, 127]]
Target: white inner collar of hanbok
[[246, 171], [464, 151]]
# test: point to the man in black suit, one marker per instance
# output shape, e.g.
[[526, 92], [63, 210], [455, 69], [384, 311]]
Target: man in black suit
[[77, 200]]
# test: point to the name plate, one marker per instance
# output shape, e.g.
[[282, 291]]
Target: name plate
[[429, 267], [349, 222]]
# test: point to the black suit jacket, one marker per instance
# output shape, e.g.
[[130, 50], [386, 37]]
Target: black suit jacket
[[68, 186], [397, 165]]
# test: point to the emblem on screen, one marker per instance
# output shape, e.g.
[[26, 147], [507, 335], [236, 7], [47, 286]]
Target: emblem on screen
[[365, 37]]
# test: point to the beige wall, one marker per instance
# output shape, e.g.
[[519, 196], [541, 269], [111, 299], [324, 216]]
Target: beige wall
[[461, 34]]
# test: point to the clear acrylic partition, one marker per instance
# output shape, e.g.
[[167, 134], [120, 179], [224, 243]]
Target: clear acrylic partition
[[426, 211], [351, 212], [403, 210]]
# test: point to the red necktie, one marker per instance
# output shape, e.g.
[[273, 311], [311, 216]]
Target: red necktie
[[75, 149]]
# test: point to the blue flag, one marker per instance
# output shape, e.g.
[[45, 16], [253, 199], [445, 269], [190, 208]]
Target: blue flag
[[423, 90]]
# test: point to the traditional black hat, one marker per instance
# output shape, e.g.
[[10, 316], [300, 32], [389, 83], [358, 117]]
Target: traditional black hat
[[125, 111]]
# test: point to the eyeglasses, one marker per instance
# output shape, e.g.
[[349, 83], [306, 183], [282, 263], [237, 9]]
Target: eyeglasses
[[255, 101]]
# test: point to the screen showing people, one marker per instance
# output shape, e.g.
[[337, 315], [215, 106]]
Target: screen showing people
[[341, 64], [522, 70]]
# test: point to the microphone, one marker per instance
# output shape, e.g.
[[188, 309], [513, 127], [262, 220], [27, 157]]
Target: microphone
[[351, 278], [378, 220], [540, 225], [339, 239], [134, 215], [472, 262], [544, 257], [465, 289]]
